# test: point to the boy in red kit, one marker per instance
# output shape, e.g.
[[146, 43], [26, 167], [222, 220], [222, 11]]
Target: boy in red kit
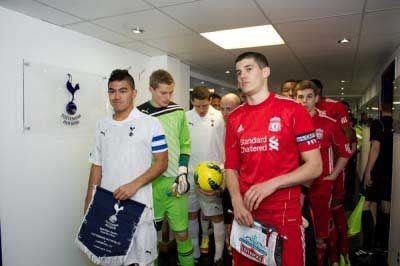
[[265, 139], [334, 144], [338, 111]]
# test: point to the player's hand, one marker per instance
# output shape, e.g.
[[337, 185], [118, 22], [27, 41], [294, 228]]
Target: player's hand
[[367, 180], [256, 193], [125, 191], [241, 213], [181, 184]]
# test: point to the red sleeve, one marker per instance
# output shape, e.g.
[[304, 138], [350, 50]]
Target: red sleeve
[[343, 147], [304, 131], [231, 146], [342, 116]]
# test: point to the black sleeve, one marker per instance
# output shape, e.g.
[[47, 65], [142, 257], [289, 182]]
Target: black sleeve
[[376, 131]]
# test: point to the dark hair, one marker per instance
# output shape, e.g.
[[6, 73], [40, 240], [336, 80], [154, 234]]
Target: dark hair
[[318, 83], [120, 75], [201, 93], [215, 96], [260, 59], [160, 77], [305, 84]]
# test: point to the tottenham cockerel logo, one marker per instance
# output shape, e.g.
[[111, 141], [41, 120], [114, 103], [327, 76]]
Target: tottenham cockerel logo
[[70, 117]]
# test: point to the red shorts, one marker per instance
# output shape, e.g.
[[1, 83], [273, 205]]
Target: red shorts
[[338, 188], [320, 195], [288, 222]]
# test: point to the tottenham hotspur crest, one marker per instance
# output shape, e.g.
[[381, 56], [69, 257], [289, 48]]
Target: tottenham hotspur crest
[[275, 124]]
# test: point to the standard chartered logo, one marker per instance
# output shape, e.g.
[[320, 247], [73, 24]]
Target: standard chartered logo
[[259, 144]]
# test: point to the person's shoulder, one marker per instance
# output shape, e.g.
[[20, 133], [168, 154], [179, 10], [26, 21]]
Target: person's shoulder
[[285, 101], [145, 107], [323, 116]]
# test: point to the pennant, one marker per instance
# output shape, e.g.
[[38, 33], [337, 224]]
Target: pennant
[[108, 228]]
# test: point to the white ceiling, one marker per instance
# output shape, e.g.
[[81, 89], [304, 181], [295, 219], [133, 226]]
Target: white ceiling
[[310, 29]]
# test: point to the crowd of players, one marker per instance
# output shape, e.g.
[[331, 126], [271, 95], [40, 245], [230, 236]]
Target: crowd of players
[[284, 158]]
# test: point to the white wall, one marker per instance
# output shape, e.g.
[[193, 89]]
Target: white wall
[[43, 178]]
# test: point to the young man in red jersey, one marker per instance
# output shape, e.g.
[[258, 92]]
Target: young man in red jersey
[[265, 139], [334, 144], [338, 111]]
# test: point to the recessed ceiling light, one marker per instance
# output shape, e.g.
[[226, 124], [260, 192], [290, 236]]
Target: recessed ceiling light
[[342, 93], [202, 82], [344, 40], [343, 81], [256, 36], [342, 88], [227, 72], [137, 30]]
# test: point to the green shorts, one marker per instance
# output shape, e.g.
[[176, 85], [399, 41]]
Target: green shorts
[[173, 207]]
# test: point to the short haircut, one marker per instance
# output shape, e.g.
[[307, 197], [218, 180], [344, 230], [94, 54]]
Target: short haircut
[[160, 77], [200, 93], [215, 96], [120, 75], [318, 83], [260, 59], [305, 84]]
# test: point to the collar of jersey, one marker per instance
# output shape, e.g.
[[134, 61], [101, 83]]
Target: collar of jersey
[[263, 103], [133, 114]]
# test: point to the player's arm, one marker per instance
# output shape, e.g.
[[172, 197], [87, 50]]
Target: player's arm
[[241, 213], [94, 180], [310, 169], [343, 151], [375, 138], [181, 184], [372, 157], [160, 164]]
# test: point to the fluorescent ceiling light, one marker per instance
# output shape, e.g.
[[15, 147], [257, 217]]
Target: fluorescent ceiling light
[[245, 37], [227, 72], [396, 103], [374, 108]]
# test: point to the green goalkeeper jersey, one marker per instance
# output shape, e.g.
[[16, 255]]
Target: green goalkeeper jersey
[[173, 120]]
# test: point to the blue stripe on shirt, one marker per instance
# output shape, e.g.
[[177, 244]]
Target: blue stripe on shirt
[[160, 147], [159, 137]]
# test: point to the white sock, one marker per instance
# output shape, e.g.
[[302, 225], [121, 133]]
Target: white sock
[[194, 234], [219, 236], [205, 224]]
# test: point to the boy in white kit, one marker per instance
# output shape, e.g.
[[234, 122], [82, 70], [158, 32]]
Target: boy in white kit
[[130, 151], [206, 127]]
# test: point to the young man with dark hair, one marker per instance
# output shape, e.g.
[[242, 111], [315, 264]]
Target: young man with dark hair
[[287, 88], [378, 180], [216, 101], [206, 126], [130, 151], [332, 139], [338, 111], [265, 140], [170, 189]]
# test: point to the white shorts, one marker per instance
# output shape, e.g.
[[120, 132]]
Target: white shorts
[[144, 246], [209, 205]]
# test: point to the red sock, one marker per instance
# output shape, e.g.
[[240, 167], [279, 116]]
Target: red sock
[[340, 220], [333, 244]]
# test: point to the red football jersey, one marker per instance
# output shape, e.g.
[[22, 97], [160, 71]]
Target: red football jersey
[[333, 142], [336, 110], [265, 140]]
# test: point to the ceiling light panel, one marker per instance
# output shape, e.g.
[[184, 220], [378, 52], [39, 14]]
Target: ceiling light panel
[[247, 37]]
